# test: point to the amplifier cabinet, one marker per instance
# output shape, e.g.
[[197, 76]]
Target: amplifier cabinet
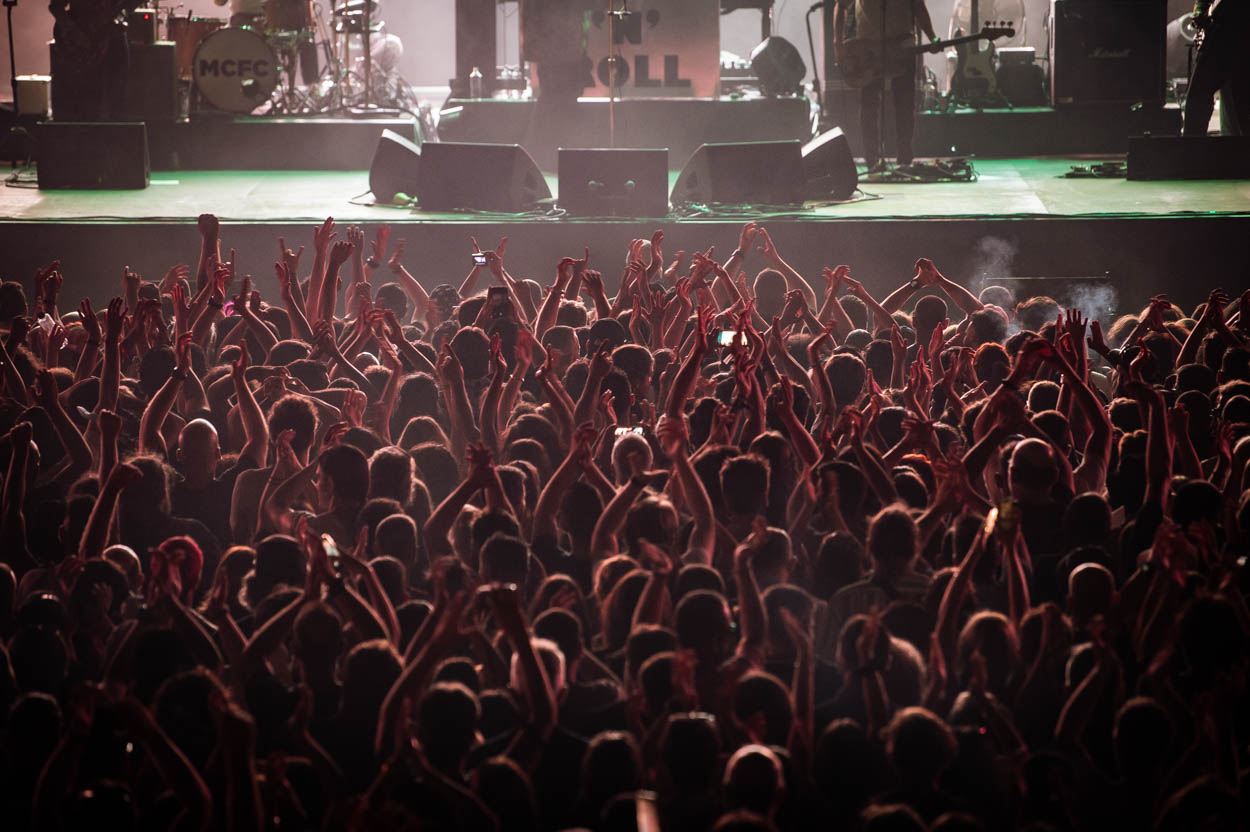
[[1104, 51]]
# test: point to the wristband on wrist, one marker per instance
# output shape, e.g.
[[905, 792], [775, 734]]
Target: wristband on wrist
[[372, 263]]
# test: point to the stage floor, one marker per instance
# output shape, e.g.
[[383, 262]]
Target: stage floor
[[1021, 219], [1006, 188]]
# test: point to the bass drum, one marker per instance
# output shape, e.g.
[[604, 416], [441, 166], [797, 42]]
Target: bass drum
[[235, 70], [187, 33]]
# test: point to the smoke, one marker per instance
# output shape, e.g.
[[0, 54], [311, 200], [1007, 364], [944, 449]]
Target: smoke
[[992, 258], [1095, 298]]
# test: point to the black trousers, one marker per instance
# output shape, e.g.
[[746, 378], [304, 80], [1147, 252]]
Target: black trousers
[[870, 103], [1220, 65]]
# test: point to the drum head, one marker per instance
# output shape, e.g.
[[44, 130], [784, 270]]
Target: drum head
[[235, 70]]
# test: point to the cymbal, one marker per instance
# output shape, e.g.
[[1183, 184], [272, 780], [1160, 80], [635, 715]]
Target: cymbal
[[356, 7]]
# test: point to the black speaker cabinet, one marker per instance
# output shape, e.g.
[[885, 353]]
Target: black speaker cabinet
[[1104, 51], [751, 173], [152, 82], [110, 156], [478, 177], [475, 45], [829, 167], [394, 167], [614, 183], [1189, 157]]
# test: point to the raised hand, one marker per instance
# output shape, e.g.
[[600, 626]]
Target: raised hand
[[110, 425], [592, 283], [131, 280], [290, 258], [90, 323], [449, 366], [340, 252], [354, 404], [927, 273], [323, 234], [209, 226], [115, 319], [1095, 340], [480, 464], [356, 236], [396, 261], [173, 276], [769, 248], [601, 361], [498, 365], [746, 237], [380, 242], [523, 349]]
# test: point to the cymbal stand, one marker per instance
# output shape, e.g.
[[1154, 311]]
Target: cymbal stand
[[614, 15], [367, 38]]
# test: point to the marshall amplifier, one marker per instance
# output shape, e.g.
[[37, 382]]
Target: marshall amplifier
[[1104, 51]]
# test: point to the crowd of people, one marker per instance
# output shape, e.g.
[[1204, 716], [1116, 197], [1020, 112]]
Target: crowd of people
[[717, 552]]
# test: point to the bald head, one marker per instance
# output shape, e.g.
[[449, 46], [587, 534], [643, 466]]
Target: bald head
[[198, 445], [1091, 591], [1033, 470]]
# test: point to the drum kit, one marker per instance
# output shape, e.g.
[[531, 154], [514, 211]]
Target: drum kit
[[241, 68]]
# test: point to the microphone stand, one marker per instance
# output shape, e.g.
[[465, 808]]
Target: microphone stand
[[8, 8], [614, 15]]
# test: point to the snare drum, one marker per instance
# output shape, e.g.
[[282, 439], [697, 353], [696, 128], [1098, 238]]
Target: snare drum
[[288, 15], [186, 33], [235, 70]]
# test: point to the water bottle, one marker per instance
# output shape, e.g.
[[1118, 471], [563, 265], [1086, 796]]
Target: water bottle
[[475, 83]]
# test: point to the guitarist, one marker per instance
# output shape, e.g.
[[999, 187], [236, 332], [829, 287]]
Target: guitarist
[[1221, 63], [894, 24]]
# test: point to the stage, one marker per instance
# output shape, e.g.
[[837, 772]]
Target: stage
[[1021, 218]]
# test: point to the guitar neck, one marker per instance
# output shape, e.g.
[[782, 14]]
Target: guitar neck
[[944, 44]]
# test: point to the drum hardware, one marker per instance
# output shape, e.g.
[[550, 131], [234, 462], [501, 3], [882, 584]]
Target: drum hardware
[[235, 69], [291, 36]]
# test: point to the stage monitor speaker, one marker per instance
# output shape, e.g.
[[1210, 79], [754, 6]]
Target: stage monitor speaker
[[111, 156], [1189, 157], [751, 173], [829, 166], [394, 167], [478, 177], [1104, 51], [600, 182], [152, 82]]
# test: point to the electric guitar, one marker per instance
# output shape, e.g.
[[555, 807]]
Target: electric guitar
[[864, 60], [974, 77]]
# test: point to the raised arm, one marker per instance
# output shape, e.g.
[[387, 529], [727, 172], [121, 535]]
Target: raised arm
[[753, 621], [210, 249], [154, 415], [460, 413], [255, 427], [673, 436], [689, 372], [111, 374], [961, 297], [794, 280], [322, 235], [494, 391], [600, 366], [339, 254], [75, 446]]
